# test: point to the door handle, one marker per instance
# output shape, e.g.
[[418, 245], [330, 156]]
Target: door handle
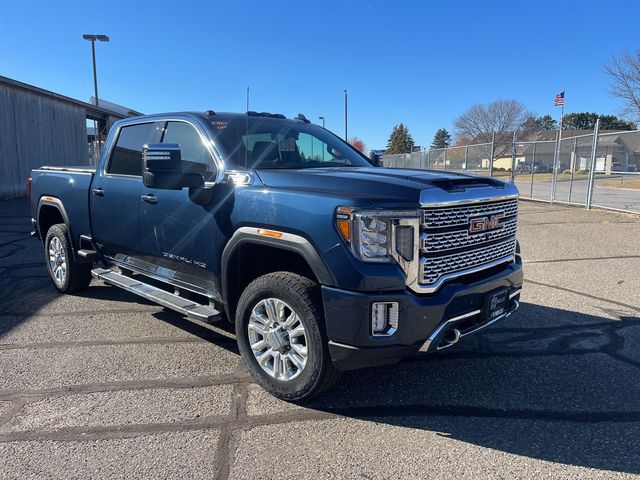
[[149, 198], [98, 192]]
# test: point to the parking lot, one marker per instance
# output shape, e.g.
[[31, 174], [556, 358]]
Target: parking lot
[[102, 384]]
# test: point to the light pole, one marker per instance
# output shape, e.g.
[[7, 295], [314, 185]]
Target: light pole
[[92, 38], [322, 118]]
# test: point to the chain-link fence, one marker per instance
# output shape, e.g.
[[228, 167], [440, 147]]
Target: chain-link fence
[[600, 169]]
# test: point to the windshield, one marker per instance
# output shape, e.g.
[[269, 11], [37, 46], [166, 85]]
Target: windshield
[[271, 143]]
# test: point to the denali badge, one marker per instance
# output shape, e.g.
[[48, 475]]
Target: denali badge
[[482, 224]]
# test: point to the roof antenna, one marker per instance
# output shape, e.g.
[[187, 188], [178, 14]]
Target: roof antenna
[[246, 116]]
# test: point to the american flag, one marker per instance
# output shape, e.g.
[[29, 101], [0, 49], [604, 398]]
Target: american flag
[[559, 100]]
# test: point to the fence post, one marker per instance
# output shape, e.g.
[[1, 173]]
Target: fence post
[[533, 168], [556, 155], [513, 159], [493, 145], [445, 159], [466, 157], [429, 159], [572, 166], [592, 169]]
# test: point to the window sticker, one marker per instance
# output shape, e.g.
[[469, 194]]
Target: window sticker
[[220, 124], [287, 145]]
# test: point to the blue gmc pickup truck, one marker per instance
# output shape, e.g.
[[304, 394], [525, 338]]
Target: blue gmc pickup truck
[[323, 261]]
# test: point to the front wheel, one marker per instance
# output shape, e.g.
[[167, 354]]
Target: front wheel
[[280, 332]]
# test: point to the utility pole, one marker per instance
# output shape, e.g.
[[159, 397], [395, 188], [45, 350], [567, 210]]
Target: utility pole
[[322, 118]]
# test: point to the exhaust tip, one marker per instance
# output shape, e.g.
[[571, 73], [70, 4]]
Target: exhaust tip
[[450, 338]]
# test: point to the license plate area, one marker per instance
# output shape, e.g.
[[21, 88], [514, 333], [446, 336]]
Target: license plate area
[[496, 304]]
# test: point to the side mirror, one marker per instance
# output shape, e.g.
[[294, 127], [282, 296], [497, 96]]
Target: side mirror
[[162, 168]]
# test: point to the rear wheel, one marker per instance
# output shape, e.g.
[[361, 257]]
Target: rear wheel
[[66, 274], [280, 332]]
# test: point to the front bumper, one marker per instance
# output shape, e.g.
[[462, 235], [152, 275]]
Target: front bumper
[[426, 322]]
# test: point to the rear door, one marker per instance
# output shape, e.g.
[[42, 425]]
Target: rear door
[[180, 236], [115, 193]]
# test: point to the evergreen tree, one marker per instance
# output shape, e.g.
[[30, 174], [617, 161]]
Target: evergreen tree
[[545, 122], [400, 140], [579, 121], [442, 139], [587, 121], [611, 122]]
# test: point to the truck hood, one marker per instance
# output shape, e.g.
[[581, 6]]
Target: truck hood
[[372, 183]]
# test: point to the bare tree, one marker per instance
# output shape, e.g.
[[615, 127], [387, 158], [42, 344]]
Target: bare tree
[[625, 74], [502, 117]]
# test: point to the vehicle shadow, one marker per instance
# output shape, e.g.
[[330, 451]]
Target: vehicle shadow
[[548, 384]]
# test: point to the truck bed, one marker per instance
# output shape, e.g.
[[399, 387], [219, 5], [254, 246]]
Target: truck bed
[[70, 185]]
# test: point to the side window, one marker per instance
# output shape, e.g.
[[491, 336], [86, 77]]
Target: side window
[[195, 156], [126, 158], [313, 149]]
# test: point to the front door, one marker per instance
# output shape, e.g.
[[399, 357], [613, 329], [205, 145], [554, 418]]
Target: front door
[[179, 236], [115, 193]]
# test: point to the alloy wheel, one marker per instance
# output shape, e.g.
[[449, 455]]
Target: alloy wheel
[[57, 259], [278, 339]]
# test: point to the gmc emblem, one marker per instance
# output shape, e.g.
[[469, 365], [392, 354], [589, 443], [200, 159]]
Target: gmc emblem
[[482, 224]]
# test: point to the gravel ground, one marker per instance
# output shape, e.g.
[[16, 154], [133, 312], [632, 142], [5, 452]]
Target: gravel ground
[[102, 385]]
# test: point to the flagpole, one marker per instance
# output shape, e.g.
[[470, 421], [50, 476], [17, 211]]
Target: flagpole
[[556, 157]]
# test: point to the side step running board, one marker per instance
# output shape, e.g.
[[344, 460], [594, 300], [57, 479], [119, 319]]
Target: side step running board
[[88, 255], [204, 313]]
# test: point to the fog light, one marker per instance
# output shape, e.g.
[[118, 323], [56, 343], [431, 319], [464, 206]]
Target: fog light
[[384, 318]]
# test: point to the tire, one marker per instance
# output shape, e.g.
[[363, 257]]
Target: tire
[[301, 296], [67, 275]]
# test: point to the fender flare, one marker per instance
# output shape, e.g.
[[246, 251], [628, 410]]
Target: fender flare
[[56, 203], [287, 241], [52, 202]]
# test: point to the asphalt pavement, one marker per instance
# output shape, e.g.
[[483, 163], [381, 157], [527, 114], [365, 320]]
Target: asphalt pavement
[[104, 385]]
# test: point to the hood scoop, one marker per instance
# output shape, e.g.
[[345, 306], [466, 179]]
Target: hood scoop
[[454, 185]]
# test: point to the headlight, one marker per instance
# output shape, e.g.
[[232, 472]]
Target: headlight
[[368, 232]]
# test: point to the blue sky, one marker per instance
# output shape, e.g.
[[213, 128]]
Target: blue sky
[[420, 63]]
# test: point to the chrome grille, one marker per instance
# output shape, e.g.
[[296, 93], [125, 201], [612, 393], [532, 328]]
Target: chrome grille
[[432, 268], [459, 216], [438, 242], [448, 249]]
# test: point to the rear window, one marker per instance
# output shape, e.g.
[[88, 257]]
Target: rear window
[[126, 158]]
